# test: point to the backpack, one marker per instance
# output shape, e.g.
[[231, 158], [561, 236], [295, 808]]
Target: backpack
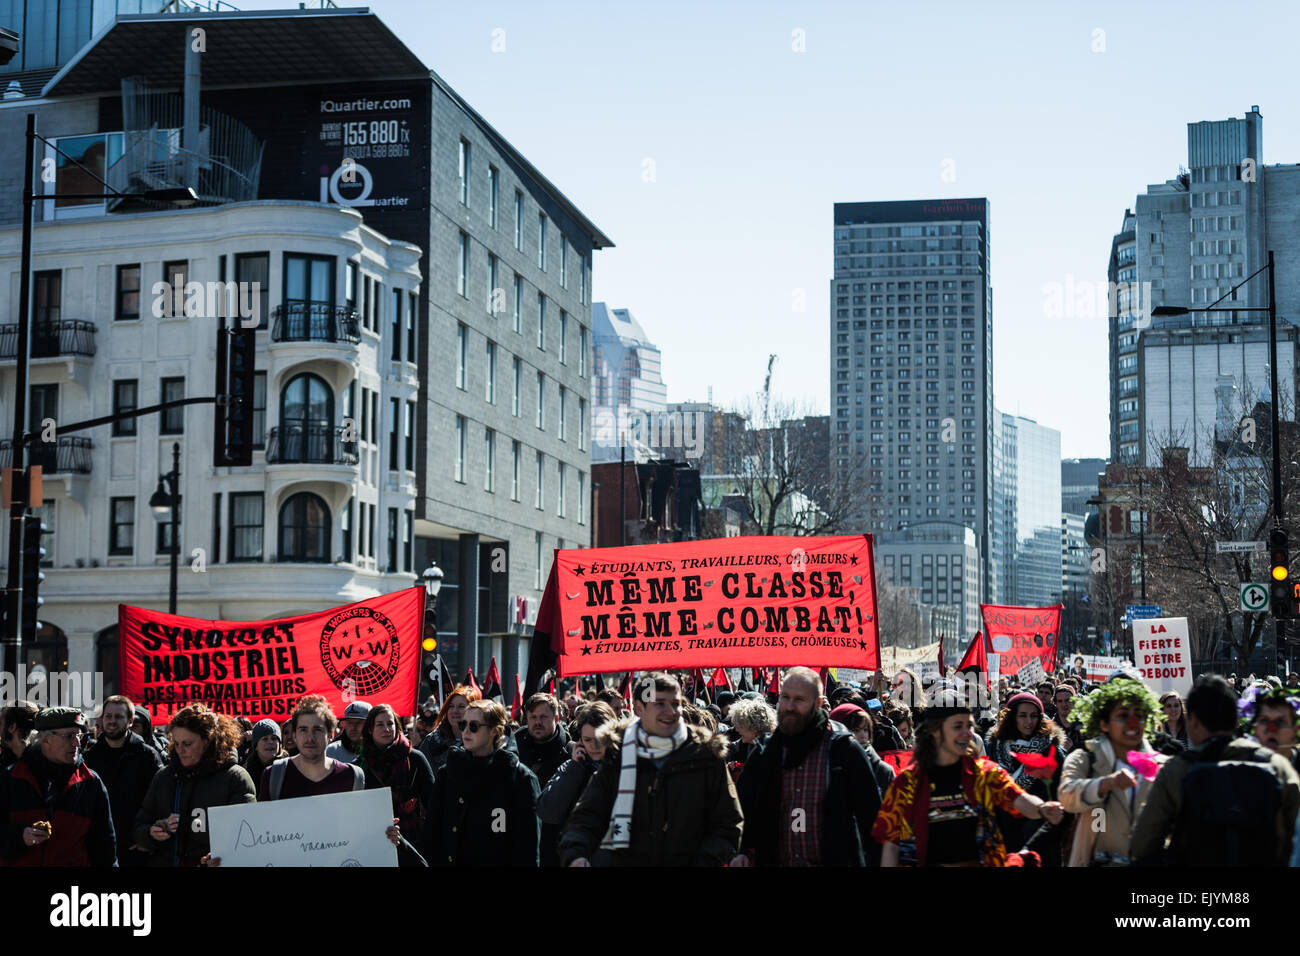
[[281, 766], [1229, 810]]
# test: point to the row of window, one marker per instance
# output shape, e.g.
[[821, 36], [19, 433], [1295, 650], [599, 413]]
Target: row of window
[[516, 464], [493, 186]]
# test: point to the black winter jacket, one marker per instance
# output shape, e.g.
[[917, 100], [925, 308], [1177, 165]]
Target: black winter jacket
[[70, 797], [544, 759], [685, 813], [848, 812], [482, 812], [127, 773], [189, 792]]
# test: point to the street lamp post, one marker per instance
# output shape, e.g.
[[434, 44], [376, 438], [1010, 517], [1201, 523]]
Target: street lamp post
[[432, 578], [166, 504]]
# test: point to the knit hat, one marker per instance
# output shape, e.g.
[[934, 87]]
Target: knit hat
[[842, 712], [1024, 697], [265, 728], [60, 718], [725, 698], [357, 710], [1068, 688]]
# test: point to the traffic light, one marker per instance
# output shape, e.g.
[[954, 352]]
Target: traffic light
[[1281, 591], [33, 553], [233, 438]]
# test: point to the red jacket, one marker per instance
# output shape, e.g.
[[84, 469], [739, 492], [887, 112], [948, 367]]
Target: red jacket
[[82, 826]]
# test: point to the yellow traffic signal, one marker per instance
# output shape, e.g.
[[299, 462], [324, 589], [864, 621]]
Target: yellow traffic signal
[[429, 644], [1279, 572]]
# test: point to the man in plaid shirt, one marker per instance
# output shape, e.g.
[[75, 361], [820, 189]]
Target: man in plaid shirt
[[808, 793]]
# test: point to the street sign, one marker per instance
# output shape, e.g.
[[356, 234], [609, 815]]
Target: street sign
[[1139, 612], [1254, 597], [1239, 547]]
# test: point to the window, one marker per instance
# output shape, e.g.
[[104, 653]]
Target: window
[[409, 436], [462, 278], [492, 286], [361, 536], [460, 448], [537, 548], [490, 453], [246, 522], [408, 541], [562, 404], [541, 321], [394, 426], [259, 409], [541, 400], [463, 162], [582, 351], [121, 528], [514, 471], [305, 529], [163, 540], [582, 498], [519, 385], [350, 285], [582, 279], [519, 304], [47, 291], [216, 528], [173, 419], [490, 379], [582, 424], [345, 529], [128, 292], [411, 316], [373, 529], [172, 305], [560, 479], [519, 220], [253, 271], [392, 540], [462, 339], [125, 399], [564, 263], [306, 430], [541, 464], [541, 241], [564, 335], [493, 180], [397, 325]]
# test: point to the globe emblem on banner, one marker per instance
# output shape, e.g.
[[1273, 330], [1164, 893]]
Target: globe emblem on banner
[[360, 650]]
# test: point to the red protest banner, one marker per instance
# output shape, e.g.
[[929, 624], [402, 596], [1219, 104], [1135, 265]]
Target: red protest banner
[[726, 602], [1019, 634], [365, 651]]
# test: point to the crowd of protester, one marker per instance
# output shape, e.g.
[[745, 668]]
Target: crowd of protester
[[1067, 772]]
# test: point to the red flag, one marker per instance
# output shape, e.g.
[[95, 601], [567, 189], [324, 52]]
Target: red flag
[[471, 682], [720, 678], [760, 676], [899, 759], [943, 668], [550, 687], [975, 658], [517, 706], [625, 689], [774, 687], [492, 686]]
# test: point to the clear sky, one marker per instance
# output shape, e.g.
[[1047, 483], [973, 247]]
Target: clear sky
[[1059, 113]]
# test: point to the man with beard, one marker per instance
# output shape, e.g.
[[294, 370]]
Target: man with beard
[[16, 723], [808, 793], [348, 746], [543, 745], [127, 766], [53, 808]]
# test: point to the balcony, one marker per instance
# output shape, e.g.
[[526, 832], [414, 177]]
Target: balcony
[[298, 320], [67, 456], [51, 339], [309, 445]]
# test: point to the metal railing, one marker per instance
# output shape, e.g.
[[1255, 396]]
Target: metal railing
[[50, 339], [309, 444], [298, 320], [67, 455]]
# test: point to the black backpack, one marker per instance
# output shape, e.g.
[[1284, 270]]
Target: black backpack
[[1229, 810]]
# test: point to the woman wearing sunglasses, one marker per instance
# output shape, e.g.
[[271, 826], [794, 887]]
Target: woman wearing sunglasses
[[483, 808]]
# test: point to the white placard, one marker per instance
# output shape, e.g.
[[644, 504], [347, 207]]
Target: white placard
[[1162, 654], [1098, 669], [1031, 673], [340, 829]]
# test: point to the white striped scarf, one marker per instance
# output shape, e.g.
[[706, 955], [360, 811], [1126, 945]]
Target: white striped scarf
[[636, 744]]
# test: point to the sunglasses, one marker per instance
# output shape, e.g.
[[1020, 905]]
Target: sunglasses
[[473, 726]]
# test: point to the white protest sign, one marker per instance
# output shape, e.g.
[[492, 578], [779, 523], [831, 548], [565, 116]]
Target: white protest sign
[[1031, 673], [995, 669], [341, 829], [1162, 654], [1099, 669]]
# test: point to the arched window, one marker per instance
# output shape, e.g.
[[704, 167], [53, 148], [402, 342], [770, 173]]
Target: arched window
[[306, 420], [304, 529]]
